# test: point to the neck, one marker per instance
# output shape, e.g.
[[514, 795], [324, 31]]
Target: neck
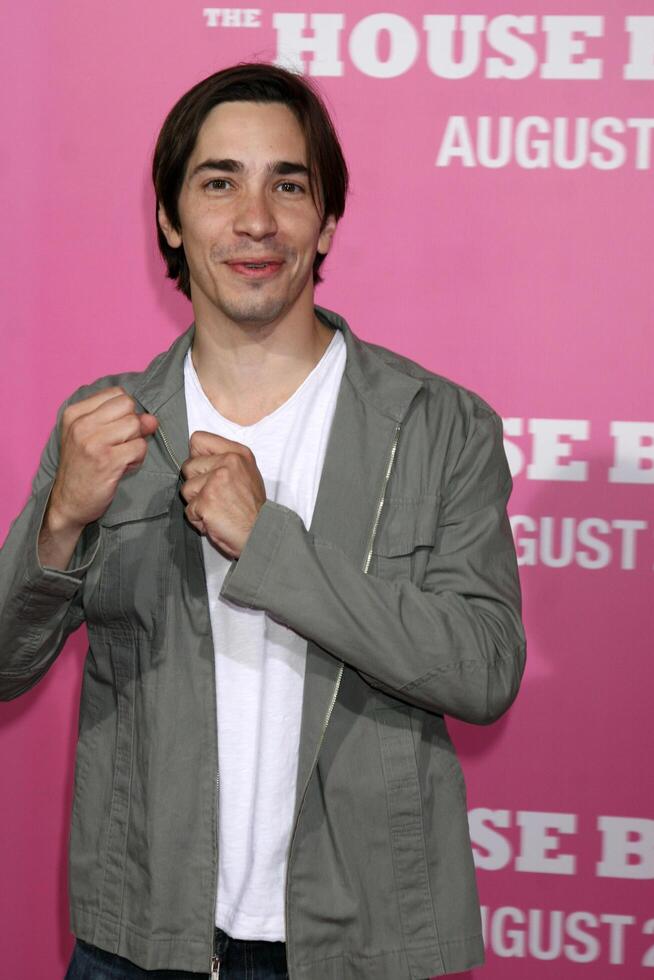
[[247, 371]]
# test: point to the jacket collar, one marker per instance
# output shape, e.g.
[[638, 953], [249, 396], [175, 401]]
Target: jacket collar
[[164, 376], [387, 389], [384, 388]]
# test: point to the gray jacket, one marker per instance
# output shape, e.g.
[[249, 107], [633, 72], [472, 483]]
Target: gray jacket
[[406, 588]]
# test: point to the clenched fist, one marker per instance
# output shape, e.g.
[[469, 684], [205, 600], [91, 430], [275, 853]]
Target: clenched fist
[[102, 438], [224, 490]]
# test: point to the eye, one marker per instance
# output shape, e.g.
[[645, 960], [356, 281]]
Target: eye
[[216, 184], [291, 187]]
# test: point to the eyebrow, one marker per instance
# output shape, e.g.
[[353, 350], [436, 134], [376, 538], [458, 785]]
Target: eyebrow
[[276, 168]]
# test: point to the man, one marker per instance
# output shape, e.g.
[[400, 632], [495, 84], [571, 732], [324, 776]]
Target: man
[[281, 608]]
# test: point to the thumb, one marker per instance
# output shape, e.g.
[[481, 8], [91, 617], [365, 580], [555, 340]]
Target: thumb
[[149, 424]]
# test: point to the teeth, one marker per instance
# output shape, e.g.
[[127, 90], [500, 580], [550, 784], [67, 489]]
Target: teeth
[[256, 265]]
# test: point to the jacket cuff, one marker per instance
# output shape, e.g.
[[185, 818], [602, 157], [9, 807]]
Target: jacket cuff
[[54, 581], [245, 576]]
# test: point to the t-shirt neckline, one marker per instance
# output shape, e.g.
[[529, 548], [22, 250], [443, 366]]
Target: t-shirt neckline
[[318, 368]]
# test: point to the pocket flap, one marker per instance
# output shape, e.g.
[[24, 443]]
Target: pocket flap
[[408, 524], [141, 495]]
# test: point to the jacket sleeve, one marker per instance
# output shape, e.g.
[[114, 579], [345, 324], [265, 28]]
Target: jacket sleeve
[[39, 607], [455, 645]]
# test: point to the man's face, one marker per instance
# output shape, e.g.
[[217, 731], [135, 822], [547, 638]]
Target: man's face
[[249, 225]]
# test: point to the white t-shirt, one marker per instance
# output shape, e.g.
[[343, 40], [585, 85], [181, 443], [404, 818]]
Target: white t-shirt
[[260, 663]]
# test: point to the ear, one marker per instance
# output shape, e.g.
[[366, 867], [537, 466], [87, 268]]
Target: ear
[[172, 236], [326, 235]]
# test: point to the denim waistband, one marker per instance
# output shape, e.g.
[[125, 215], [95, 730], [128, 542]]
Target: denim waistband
[[221, 942]]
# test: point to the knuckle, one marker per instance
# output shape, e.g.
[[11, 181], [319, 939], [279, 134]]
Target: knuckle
[[126, 402], [98, 454], [135, 429], [140, 448], [77, 429], [111, 391], [221, 476]]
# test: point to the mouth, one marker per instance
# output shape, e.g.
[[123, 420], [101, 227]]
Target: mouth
[[265, 269]]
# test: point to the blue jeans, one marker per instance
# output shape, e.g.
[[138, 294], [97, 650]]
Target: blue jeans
[[240, 959]]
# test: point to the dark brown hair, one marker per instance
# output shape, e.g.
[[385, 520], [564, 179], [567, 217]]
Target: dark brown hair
[[245, 83]]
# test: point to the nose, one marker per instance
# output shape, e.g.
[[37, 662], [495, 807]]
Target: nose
[[254, 215]]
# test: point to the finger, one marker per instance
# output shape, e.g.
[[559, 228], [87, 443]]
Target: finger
[[87, 405], [133, 426], [114, 408], [194, 513], [208, 444], [91, 434], [198, 465], [191, 488], [98, 425], [122, 430], [194, 517], [129, 455], [149, 423], [88, 426]]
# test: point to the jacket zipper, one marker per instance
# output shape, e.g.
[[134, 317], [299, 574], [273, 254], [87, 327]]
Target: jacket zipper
[[215, 960], [365, 567], [382, 497], [161, 432]]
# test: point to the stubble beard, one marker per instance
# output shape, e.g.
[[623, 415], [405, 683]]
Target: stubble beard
[[254, 303], [256, 310]]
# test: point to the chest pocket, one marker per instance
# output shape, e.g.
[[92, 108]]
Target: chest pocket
[[131, 580], [405, 537]]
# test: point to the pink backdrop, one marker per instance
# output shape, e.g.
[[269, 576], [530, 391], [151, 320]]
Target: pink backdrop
[[529, 281]]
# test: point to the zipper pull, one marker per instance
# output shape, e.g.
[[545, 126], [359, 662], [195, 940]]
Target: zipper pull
[[215, 967]]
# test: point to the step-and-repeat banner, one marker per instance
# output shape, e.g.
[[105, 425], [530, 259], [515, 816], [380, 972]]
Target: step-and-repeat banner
[[500, 231]]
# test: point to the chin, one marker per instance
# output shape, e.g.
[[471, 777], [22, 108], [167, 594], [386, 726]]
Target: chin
[[254, 313]]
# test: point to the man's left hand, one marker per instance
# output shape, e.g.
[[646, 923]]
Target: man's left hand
[[223, 489]]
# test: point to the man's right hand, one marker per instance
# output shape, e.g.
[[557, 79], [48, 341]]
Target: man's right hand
[[102, 438]]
